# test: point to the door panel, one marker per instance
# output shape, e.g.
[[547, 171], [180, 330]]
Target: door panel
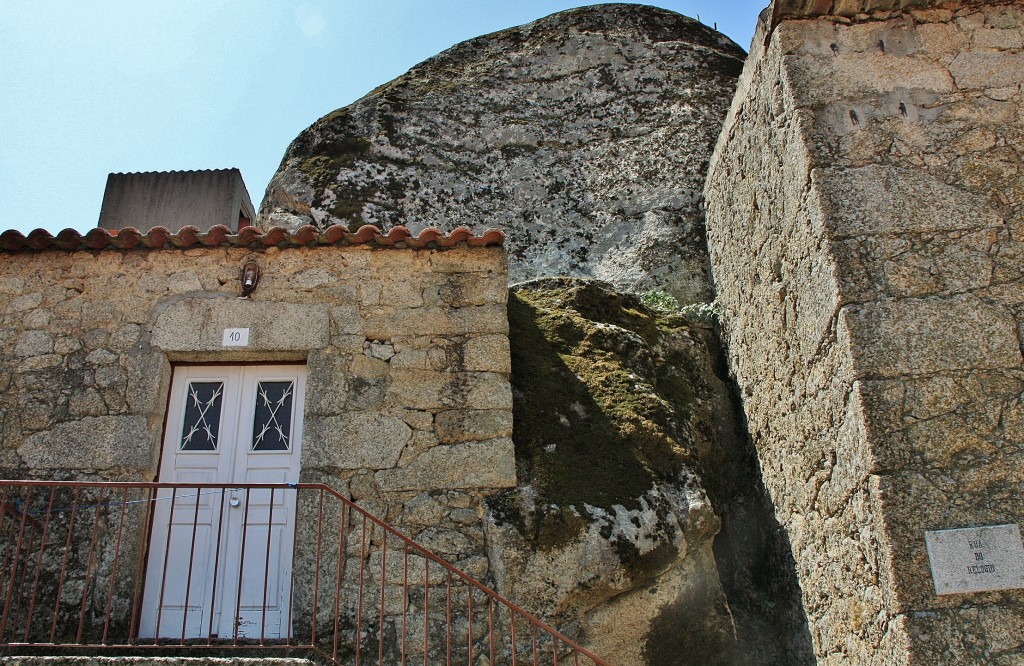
[[261, 570], [186, 545], [225, 425]]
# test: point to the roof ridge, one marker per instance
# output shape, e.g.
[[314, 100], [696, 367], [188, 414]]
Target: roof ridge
[[129, 238], [143, 173]]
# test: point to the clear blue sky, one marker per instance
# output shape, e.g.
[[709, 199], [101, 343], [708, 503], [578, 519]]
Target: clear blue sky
[[87, 88]]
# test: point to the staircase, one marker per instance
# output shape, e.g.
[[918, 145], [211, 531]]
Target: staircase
[[140, 573]]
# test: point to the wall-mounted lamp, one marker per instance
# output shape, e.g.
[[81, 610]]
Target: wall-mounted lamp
[[250, 278]]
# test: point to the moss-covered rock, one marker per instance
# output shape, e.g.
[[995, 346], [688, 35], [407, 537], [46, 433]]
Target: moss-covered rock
[[605, 392], [613, 418]]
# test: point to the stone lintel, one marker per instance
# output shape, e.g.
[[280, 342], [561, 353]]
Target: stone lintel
[[198, 324]]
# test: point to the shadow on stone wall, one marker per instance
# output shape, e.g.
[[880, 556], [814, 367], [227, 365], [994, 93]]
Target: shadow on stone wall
[[752, 550]]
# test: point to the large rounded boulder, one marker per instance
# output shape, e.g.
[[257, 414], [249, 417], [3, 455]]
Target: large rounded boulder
[[584, 135]]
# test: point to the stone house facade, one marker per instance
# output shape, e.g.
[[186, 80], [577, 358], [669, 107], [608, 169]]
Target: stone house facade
[[401, 342], [405, 341]]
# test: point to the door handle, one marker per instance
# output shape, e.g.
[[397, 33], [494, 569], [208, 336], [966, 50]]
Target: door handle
[[234, 502]]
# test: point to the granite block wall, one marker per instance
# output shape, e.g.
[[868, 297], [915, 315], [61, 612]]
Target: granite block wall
[[408, 399], [866, 227]]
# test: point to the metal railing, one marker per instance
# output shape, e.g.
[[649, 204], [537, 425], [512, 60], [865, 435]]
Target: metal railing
[[288, 568]]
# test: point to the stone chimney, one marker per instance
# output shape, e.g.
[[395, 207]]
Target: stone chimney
[[175, 199]]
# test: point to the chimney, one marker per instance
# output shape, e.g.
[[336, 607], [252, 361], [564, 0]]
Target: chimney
[[175, 199]]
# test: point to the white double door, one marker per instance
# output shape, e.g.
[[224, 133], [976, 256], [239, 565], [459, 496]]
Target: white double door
[[220, 559]]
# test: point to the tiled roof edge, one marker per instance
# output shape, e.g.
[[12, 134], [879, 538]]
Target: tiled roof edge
[[156, 238]]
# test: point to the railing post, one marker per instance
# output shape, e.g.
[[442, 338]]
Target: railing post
[[64, 565], [163, 575], [266, 567], [405, 595], [291, 578], [216, 565], [241, 566], [141, 565], [90, 565], [341, 567], [380, 622], [191, 562], [359, 610], [316, 566]]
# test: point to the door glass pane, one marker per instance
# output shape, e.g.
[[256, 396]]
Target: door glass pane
[[201, 425], [271, 426]]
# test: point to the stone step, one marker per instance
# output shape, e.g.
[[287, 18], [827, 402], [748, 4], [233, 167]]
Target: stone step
[[154, 661]]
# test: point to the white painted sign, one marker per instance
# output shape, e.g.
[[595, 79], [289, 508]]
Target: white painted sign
[[236, 337], [976, 559]]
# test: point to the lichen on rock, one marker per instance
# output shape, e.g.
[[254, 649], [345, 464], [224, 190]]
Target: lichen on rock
[[584, 135]]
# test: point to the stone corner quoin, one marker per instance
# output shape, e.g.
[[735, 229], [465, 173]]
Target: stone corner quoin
[[865, 231]]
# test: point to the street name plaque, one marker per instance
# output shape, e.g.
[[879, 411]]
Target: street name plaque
[[976, 559]]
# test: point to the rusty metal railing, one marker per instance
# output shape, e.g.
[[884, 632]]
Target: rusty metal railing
[[287, 568]]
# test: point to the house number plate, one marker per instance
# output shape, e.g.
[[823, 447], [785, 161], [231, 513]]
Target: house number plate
[[976, 559], [236, 337]]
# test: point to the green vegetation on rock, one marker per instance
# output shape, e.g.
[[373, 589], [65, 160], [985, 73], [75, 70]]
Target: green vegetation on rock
[[662, 301], [602, 403]]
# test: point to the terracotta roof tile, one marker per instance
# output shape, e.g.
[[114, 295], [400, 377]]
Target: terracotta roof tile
[[159, 238]]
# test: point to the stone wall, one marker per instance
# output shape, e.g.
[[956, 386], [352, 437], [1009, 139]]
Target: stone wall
[[860, 9], [408, 401], [866, 225]]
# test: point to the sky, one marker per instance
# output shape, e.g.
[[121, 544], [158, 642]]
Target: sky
[[89, 88]]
